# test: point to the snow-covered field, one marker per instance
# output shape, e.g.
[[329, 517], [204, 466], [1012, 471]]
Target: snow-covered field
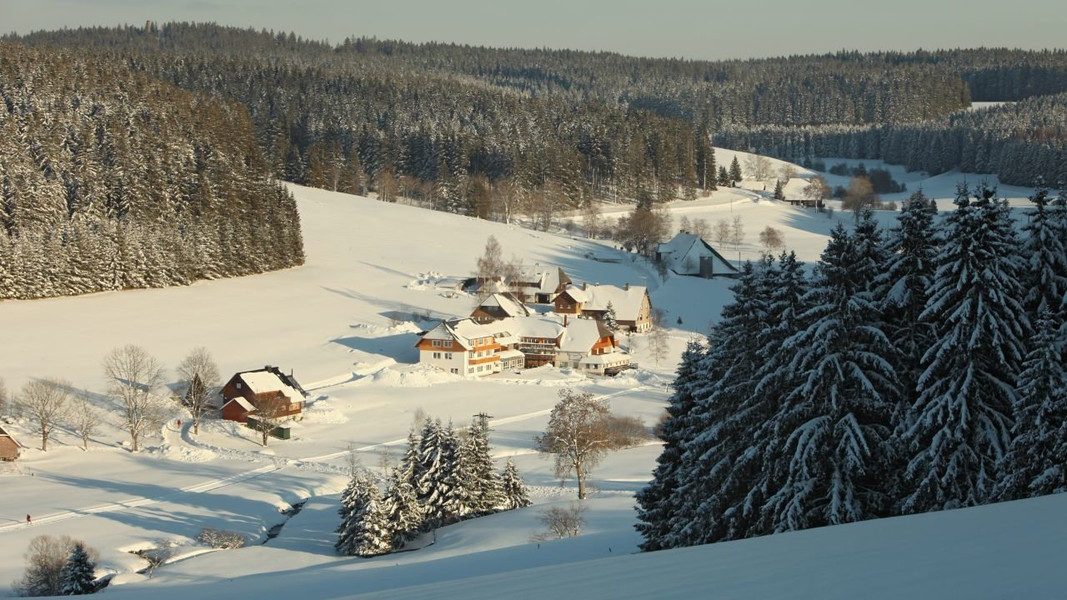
[[346, 323]]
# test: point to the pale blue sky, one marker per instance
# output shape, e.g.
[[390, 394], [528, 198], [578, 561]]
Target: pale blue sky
[[699, 29]]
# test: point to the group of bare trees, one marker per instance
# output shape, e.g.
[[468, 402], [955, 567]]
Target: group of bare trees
[[135, 381]]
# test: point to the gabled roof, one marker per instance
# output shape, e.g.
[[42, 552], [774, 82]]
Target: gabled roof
[[507, 303], [625, 301], [581, 334], [271, 379], [682, 245], [4, 433], [462, 331], [576, 293], [540, 280], [245, 404]]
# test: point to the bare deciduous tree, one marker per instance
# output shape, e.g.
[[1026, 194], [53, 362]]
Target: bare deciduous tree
[[817, 190], [579, 435], [3, 397], [133, 377], [657, 344], [758, 167], [561, 522], [44, 403], [722, 232], [84, 419], [737, 232], [45, 558], [592, 219], [268, 416], [700, 228], [200, 379], [786, 172], [771, 239]]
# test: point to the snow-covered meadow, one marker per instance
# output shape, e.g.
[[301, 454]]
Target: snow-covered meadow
[[346, 323]]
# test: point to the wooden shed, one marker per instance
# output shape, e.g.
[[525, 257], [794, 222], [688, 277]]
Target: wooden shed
[[9, 446]]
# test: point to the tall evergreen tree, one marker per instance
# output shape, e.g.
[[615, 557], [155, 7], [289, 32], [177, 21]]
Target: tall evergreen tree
[[960, 423], [834, 425], [1036, 461], [460, 500], [78, 575], [486, 491], [735, 171], [402, 509], [354, 499], [430, 472], [655, 502], [372, 534], [714, 498], [1045, 253], [514, 490]]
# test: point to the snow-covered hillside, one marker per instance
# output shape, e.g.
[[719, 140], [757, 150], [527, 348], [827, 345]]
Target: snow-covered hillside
[[346, 323]]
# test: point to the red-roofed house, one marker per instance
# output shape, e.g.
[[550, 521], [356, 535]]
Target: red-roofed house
[[251, 391]]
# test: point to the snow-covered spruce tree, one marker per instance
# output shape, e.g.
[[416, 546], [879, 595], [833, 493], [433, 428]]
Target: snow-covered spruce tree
[[354, 499], [485, 484], [1036, 462], [514, 490], [610, 318], [832, 427], [77, 576], [912, 248], [960, 423], [402, 509], [787, 291], [1045, 253], [714, 498], [431, 473], [655, 500], [372, 534], [459, 480]]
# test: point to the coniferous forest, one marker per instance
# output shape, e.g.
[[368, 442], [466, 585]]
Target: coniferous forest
[[915, 370], [485, 132], [112, 179]]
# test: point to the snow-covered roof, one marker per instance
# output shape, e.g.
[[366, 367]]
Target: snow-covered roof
[[540, 280], [609, 359], [625, 301], [581, 334], [577, 293], [506, 354], [690, 246], [264, 381], [510, 306], [538, 327], [245, 404], [460, 330]]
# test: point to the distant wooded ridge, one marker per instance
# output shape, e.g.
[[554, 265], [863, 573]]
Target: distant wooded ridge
[[477, 131]]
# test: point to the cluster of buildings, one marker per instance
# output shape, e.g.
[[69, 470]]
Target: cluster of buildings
[[504, 334]]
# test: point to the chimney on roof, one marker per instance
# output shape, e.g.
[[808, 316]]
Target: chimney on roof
[[626, 287], [564, 319], [585, 284]]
